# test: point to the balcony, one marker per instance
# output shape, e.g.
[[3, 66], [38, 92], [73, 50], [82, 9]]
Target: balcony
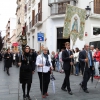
[[50, 2], [95, 10], [58, 10], [38, 19], [29, 4], [31, 27], [27, 29]]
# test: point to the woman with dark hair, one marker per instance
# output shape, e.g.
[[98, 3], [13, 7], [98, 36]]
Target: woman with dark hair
[[76, 61], [26, 71], [8, 60]]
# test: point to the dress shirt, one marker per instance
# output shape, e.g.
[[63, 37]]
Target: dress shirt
[[90, 60]]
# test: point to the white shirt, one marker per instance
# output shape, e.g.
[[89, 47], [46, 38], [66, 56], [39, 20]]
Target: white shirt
[[39, 60], [93, 51], [14, 55], [76, 56]]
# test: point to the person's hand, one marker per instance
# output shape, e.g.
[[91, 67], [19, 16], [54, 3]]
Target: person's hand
[[92, 68], [32, 72], [41, 65], [86, 60], [19, 64], [71, 56], [71, 63], [52, 68], [7, 57]]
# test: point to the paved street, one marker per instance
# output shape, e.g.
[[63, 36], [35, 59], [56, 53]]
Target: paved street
[[9, 87]]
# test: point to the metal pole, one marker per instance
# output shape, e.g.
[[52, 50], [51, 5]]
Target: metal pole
[[19, 77], [42, 75]]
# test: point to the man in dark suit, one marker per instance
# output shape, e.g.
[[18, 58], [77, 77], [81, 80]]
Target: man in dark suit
[[86, 63], [34, 56], [67, 58]]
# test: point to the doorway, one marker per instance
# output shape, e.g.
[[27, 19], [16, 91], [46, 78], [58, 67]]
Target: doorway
[[60, 40]]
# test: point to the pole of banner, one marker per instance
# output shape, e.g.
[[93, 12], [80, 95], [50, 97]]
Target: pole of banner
[[19, 75], [42, 71], [71, 44]]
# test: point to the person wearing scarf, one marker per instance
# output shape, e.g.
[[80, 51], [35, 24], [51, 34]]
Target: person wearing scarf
[[26, 71], [44, 65]]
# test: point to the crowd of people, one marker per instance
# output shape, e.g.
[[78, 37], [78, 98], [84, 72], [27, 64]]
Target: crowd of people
[[57, 62], [84, 62]]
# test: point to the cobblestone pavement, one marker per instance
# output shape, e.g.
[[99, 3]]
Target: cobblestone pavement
[[9, 87]]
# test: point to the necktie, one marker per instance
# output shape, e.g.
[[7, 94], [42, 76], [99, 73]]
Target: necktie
[[69, 52]]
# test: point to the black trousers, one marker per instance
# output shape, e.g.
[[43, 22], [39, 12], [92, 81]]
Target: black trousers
[[46, 81], [66, 82], [86, 77]]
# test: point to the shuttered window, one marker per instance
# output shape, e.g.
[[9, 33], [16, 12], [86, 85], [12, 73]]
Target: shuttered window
[[97, 6], [33, 17]]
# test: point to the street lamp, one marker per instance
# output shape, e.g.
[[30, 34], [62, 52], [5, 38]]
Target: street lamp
[[88, 10]]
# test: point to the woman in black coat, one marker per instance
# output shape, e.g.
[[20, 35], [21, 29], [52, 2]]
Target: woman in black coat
[[8, 60], [26, 71]]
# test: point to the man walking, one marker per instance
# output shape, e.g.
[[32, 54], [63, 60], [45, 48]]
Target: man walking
[[86, 62], [67, 57]]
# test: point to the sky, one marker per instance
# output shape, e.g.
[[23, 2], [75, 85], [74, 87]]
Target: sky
[[7, 10]]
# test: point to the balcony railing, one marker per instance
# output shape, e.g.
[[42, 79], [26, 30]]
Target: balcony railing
[[59, 10], [38, 17], [57, 1]]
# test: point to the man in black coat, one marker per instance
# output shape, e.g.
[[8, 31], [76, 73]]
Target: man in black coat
[[17, 58], [67, 58], [34, 55], [86, 63]]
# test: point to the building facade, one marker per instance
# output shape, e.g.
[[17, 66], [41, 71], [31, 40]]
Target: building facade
[[47, 16], [11, 25], [20, 23]]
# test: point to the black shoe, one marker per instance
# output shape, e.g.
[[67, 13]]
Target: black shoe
[[28, 98], [81, 86], [86, 91], [70, 92], [63, 89], [24, 97]]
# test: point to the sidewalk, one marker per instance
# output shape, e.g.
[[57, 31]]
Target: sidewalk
[[9, 87]]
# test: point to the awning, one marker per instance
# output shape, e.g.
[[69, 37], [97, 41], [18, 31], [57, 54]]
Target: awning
[[15, 44]]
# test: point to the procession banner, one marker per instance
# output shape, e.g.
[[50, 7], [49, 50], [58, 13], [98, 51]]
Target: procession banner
[[74, 23]]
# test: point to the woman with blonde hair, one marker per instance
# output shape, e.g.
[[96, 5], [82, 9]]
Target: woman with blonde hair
[[44, 65]]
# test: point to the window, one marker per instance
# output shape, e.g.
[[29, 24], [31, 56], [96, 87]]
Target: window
[[97, 6], [96, 31]]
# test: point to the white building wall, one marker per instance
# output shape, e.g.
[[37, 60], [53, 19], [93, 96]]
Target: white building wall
[[49, 26]]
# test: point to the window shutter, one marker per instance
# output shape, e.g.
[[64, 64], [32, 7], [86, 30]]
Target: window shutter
[[33, 17], [97, 6]]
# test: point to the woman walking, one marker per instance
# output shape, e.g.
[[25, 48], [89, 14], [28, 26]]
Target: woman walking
[[76, 56], [8, 60], [43, 63], [26, 71], [97, 62]]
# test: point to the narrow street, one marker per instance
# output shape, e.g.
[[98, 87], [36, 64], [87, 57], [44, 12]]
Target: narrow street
[[9, 87]]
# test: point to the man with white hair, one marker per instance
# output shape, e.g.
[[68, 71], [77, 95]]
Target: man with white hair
[[92, 50]]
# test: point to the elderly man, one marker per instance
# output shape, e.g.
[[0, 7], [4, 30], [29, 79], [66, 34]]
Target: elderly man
[[86, 62], [92, 50]]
